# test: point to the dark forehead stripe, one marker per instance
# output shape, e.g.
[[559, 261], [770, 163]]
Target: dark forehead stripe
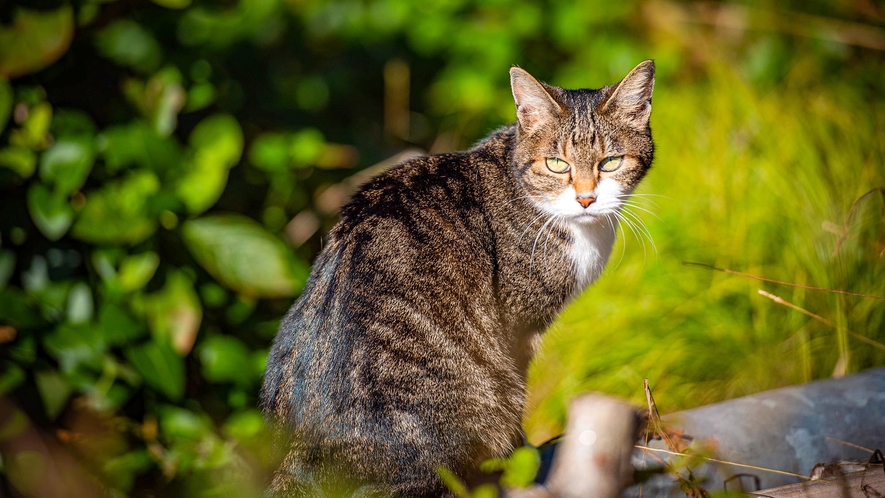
[[582, 104]]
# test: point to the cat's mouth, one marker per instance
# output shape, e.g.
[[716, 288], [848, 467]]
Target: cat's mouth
[[587, 217]]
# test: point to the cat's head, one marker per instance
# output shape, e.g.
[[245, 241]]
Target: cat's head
[[579, 153]]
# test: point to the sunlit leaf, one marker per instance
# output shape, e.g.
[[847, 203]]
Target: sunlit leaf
[[223, 358], [54, 391], [34, 132], [180, 422], [159, 100], [67, 163], [129, 44], [19, 159], [216, 145], [245, 424], [160, 367], [51, 212], [174, 312], [80, 305], [306, 146], [484, 491], [136, 270], [243, 256], [35, 40], [270, 152], [522, 466], [453, 482], [259, 362], [119, 212], [200, 96]]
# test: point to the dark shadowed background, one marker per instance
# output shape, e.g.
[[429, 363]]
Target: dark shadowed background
[[168, 169]]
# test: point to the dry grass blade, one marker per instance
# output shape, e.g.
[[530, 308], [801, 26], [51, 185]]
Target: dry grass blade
[[675, 439], [846, 443], [780, 282], [853, 210], [677, 442], [716, 460], [821, 319]]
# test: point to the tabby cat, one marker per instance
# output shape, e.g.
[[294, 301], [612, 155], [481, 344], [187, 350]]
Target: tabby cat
[[408, 349]]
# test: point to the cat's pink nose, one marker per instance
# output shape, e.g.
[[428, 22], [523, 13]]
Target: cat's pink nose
[[586, 201]]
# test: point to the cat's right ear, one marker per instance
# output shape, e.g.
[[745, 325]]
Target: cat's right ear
[[534, 106], [631, 98]]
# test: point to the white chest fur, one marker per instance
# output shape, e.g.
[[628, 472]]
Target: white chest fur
[[591, 246]]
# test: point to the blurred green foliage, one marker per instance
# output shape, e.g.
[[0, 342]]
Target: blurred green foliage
[[167, 170]]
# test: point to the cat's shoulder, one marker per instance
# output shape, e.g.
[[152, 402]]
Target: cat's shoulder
[[424, 178]]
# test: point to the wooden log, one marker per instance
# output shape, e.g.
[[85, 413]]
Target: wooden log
[[868, 483], [593, 458]]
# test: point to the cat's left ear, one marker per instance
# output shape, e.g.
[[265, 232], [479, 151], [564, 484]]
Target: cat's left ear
[[631, 98], [534, 105]]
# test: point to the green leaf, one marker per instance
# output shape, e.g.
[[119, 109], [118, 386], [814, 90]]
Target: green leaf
[[243, 256], [76, 345], [54, 391], [485, 491], [71, 123], [174, 312], [270, 152], [247, 424], [159, 100], [34, 131], [522, 466], [307, 146], [129, 44], [67, 163], [160, 367], [223, 358], [19, 159], [138, 144], [200, 96], [453, 482], [119, 212], [117, 326], [137, 270], [17, 309], [80, 304], [51, 212], [216, 145], [121, 471], [11, 376], [35, 40], [180, 422], [259, 362]]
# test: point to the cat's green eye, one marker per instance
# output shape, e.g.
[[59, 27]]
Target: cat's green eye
[[610, 164], [556, 165]]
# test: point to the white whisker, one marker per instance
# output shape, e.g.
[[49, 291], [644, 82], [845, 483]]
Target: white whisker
[[535, 243]]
